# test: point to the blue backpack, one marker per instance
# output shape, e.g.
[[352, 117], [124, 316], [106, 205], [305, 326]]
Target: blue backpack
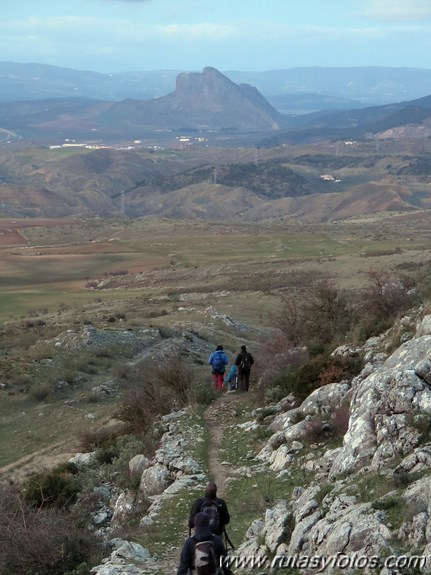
[[218, 362]]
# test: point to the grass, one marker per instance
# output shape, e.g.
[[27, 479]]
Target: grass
[[28, 426], [171, 527]]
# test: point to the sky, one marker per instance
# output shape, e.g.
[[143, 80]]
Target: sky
[[230, 35]]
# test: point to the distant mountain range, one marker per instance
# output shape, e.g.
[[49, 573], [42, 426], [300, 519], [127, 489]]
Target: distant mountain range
[[294, 90], [207, 105], [239, 163], [202, 103]]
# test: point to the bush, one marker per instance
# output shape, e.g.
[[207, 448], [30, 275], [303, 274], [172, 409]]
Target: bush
[[304, 379], [175, 375], [103, 438], [203, 393], [58, 488], [41, 392], [155, 392], [315, 430], [385, 298], [40, 541], [339, 368], [317, 316], [316, 372], [340, 421]]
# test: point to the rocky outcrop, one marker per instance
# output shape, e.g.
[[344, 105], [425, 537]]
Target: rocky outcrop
[[168, 472], [205, 101], [387, 441]]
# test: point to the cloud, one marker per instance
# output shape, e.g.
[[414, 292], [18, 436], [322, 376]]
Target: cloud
[[390, 10], [196, 31]]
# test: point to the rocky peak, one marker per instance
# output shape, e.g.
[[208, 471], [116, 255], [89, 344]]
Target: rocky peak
[[211, 99]]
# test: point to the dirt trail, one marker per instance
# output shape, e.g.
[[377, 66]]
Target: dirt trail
[[38, 461], [220, 414]]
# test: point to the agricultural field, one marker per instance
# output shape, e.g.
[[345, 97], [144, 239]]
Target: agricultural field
[[45, 264]]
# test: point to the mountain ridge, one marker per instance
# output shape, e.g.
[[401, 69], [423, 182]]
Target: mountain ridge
[[367, 85]]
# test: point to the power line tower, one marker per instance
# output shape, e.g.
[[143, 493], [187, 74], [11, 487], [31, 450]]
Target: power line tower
[[122, 202]]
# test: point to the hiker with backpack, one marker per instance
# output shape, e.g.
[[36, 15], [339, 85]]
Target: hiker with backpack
[[203, 552], [218, 361], [214, 507], [231, 379], [244, 360]]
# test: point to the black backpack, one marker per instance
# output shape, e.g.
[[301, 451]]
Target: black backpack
[[210, 508], [246, 362], [205, 562]]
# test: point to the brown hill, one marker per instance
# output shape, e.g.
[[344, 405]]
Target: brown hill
[[208, 184]]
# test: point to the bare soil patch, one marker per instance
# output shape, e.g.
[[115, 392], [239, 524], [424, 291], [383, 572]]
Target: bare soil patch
[[11, 237], [38, 461]]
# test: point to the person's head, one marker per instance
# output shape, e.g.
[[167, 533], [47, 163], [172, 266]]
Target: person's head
[[211, 490], [243, 348], [219, 348], [201, 521]]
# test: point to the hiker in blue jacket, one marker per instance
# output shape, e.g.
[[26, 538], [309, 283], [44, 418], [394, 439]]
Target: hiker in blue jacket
[[218, 361], [231, 379]]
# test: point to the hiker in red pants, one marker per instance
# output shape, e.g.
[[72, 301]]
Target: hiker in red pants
[[218, 361]]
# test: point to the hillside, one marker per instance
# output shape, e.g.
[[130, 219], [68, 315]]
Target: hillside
[[315, 183], [297, 482], [106, 329]]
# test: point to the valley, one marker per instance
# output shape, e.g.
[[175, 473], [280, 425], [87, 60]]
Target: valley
[[215, 281]]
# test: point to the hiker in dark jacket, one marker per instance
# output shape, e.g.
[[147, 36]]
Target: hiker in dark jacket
[[199, 504], [218, 361], [202, 533], [244, 360]]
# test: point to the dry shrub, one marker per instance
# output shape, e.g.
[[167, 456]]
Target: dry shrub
[[318, 314], [150, 394], [175, 375], [91, 439], [290, 319], [275, 359], [386, 297], [315, 430], [339, 368], [40, 541], [340, 421], [331, 374], [140, 406], [318, 429]]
